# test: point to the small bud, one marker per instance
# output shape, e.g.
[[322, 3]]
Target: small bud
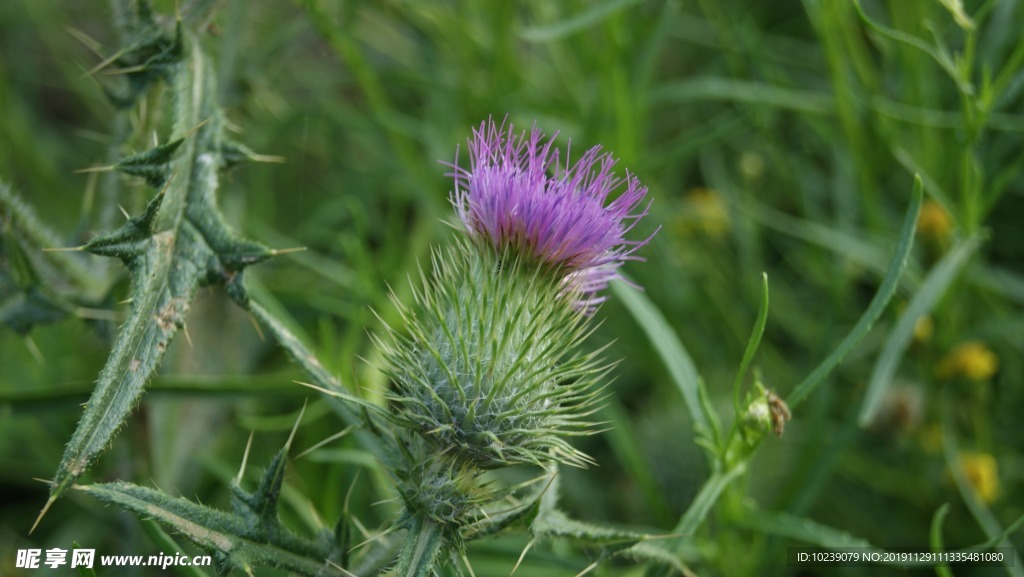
[[765, 411], [758, 416]]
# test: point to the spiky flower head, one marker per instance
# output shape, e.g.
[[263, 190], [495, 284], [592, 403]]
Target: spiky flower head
[[489, 369], [518, 195]]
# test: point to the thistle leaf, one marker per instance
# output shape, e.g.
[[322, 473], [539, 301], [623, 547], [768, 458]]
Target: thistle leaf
[[153, 165], [551, 523], [177, 244], [149, 57], [236, 542]]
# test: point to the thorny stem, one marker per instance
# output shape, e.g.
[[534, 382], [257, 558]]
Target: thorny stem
[[423, 542]]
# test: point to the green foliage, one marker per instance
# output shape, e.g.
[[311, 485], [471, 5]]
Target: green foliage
[[36, 287], [775, 139]]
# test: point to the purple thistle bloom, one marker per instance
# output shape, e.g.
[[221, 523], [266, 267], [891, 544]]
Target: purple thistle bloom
[[516, 194]]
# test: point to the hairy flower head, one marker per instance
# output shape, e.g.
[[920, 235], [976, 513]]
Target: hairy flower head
[[518, 195]]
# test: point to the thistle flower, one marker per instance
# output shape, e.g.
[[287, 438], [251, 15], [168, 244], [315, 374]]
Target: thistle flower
[[517, 194]]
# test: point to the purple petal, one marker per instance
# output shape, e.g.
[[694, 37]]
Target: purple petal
[[516, 194]]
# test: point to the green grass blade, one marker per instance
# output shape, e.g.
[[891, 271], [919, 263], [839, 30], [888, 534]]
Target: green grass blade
[[844, 244], [756, 93], [592, 16], [752, 344], [933, 287], [666, 342], [940, 58], [935, 536], [875, 308]]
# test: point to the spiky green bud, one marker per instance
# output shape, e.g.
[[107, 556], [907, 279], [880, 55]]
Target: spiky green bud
[[489, 367]]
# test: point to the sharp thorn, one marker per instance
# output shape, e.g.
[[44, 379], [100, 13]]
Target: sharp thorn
[[85, 39], [107, 62], [465, 560], [256, 325], [521, 557], [197, 127], [65, 249], [277, 251], [333, 437], [348, 494], [168, 183], [588, 569], [342, 569], [268, 158], [245, 458], [295, 427], [49, 503]]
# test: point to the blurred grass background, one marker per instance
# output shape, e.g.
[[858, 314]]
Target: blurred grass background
[[778, 137]]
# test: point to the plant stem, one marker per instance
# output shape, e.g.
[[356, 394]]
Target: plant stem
[[423, 542]]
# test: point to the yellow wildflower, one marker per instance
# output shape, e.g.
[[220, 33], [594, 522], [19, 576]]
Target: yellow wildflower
[[934, 222], [923, 329], [707, 212], [972, 360], [983, 475]]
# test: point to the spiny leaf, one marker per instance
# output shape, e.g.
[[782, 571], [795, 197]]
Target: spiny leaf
[[555, 523], [179, 243], [235, 153], [806, 530], [260, 506], [153, 164], [551, 523], [649, 551], [151, 56], [511, 512], [165, 276], [132, 239], [234, 540]]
